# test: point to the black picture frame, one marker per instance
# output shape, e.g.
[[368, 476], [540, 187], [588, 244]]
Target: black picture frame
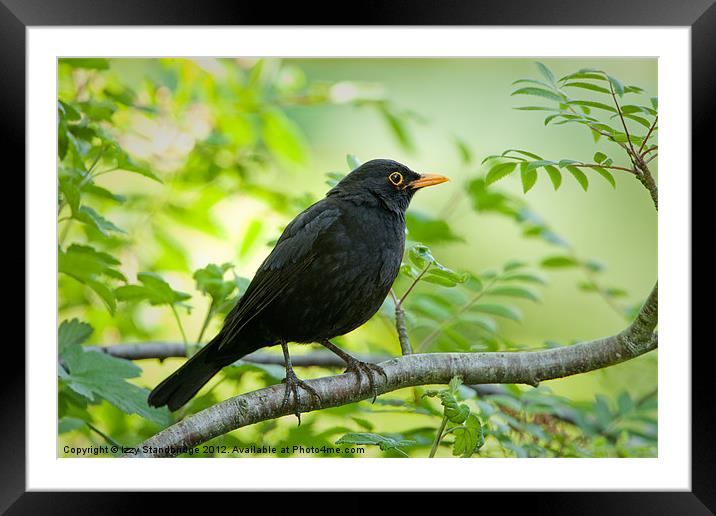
[[17, 15]]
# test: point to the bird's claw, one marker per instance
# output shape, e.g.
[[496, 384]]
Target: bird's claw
[[292, 384], [358, 367]]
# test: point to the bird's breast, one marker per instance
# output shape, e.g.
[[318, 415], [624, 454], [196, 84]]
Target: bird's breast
[[355, 263]]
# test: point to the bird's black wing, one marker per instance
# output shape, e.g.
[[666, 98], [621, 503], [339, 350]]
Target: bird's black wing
[[293, 252]]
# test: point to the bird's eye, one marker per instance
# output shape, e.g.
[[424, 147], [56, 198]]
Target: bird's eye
[[396, 178]]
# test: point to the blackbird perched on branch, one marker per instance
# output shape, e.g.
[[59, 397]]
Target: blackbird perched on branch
[[329, 272]]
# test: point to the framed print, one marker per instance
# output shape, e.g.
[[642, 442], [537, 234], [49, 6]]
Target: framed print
[[433, 251]]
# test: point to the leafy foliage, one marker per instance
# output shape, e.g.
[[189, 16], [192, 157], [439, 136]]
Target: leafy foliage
[[146, 166], [568, 109], [96, 376]]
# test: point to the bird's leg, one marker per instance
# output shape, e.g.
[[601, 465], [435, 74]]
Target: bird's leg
[[293, 383], [356, 366]]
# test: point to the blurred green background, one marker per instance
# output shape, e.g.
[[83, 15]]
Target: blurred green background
[[436, 108]]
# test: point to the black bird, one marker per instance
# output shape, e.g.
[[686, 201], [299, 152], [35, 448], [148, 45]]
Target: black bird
[[329, 272]]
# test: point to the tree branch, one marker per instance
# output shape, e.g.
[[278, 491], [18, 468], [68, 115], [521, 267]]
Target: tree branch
[[646, 179], [526, 367], [164, 350]]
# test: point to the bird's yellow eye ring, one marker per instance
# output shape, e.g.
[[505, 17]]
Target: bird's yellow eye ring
[[396, 178]]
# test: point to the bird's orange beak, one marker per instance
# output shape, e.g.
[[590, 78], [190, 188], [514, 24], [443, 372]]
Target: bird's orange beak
[[427, 180]]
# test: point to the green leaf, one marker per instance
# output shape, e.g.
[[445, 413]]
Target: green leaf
[[589, 103], [535, 108], [126, 162], [397, 127], [210, 281], [599, 157], [587, 86], [90, 217], [639, 120], [283, 137], [533, 81], [87, 265], [631, 109], [554, 262], [252, 233], [98, 111], [528, 176], [595, 265], [529, 277], [554, 175], [334, 178], [464, 150], [523, 152], [625, 404], [363, 423], [548, 119], [616, 292], [499, 171], [579, 176], [564, 162], [72, 333], [427, 228], [469, 438], [94, 374], [255, 74], [444, 276], [618, 88], [546, 72], [457, 414], [153, 289], [454, 384], [385, 443], [539, 92], [67, 112], [352, 161], [583, 75], [62, 139], [93, 63], [507, 312], [67, 424], [606, 175], [522, 292], [513, 265], [601, 410], [98, 191], [633, 89], [540, 163], [421, 256], [172, 255], [69, 190], [438, 280]]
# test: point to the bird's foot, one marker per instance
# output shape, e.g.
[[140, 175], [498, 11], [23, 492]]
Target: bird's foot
[[358, 367], [292, 384]]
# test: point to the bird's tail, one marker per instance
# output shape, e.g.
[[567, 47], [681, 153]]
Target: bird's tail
[[185, 382]]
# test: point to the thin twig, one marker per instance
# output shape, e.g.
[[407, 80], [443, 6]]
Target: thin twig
[[405, 346], [204, 325], [621, 116], [650, 149], [438, 437], [181, 328], [415, 282], [648, 134], [594, 165]]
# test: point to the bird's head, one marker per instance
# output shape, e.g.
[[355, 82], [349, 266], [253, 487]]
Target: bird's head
[[385, 181]]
